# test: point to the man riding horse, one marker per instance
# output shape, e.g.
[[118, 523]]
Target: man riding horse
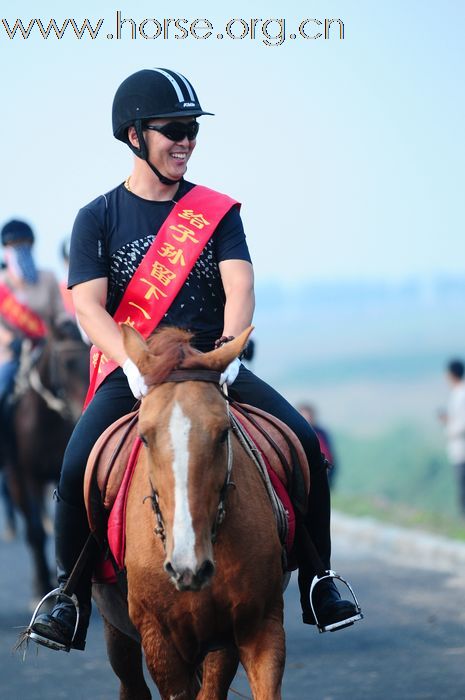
[[32, 321], [202, 284], [30, 305]]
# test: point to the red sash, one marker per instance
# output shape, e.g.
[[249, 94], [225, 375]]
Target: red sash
[[164, 269], [19, 316]]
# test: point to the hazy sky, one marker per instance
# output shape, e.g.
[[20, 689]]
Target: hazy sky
[[348, 155]]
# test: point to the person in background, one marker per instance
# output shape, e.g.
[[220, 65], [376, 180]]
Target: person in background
[[326, 443], [454, 425], [30, 305], [30, 301]]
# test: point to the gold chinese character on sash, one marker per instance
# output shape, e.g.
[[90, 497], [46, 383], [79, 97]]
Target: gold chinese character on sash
[[184, 234], [174, 255], [162, 274], [130, 322], [197, 220], [95, 359], [153, 290], [144, 312]]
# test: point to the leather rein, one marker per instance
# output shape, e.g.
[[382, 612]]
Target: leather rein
[[198, 375]]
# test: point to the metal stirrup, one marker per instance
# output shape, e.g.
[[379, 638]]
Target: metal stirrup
[[333, 626], [59, 597], [66, 595]]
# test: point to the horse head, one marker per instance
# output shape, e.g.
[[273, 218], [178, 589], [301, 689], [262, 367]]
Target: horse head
[[61, 374], [185, 428]]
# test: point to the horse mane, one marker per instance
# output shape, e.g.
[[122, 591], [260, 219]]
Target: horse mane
[[172, 348]]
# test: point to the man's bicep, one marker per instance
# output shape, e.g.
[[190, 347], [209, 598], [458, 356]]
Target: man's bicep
[[90, 292], [236, 273]]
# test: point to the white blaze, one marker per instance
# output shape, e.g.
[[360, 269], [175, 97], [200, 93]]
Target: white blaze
[[183, 556]]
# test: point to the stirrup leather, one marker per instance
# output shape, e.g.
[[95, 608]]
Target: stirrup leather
[[340, 624], [58, 596]]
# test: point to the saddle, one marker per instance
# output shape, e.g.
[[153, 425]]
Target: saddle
[[105, 470], [281, 449], [113, 458]]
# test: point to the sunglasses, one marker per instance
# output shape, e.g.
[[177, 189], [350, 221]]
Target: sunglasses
[[176, 131]]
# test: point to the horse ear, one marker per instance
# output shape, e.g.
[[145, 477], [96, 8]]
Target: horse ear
[[219, 359], [136, 347]]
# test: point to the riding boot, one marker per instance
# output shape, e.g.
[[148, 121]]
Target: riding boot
[[71, 533], [315, 525]]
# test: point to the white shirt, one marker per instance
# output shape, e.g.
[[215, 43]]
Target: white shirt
[[455, 426]]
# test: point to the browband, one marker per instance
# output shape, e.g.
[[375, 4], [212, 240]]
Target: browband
[[193, 375]]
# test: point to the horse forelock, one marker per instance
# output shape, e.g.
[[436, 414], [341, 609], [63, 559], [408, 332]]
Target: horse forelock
[[171, 348]]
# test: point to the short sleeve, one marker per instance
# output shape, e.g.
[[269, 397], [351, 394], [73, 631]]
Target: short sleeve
[[88, 258], [230, 238]]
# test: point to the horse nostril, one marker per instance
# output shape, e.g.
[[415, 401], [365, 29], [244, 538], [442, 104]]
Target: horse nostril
[[187, 580], [169, 568], [206, 571]]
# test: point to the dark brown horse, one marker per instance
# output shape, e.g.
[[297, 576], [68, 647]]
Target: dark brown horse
[[210, 594], [51, 386]]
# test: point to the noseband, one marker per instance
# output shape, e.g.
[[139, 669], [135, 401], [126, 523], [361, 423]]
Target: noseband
[[197, 375]]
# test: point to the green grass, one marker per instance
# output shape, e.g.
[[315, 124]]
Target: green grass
[[401, 477], [400, 514]]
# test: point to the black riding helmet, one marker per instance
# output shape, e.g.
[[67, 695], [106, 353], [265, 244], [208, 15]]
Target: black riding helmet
[[150, 94], [16, 230]]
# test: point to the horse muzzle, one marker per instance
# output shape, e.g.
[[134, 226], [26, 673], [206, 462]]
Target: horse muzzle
[[188, 580]]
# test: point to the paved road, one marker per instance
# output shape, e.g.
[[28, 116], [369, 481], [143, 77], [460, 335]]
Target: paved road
[[411, 646]]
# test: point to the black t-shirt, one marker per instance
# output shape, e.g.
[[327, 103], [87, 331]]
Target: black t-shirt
[[112, 234]]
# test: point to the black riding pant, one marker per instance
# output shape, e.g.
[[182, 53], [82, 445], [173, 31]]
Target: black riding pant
[[114, 399]]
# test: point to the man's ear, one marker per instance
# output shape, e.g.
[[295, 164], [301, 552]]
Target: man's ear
[[132, 136]]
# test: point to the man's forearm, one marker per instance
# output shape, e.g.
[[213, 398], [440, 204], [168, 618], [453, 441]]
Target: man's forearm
[[103, 331], [238, 312], [238, 284]]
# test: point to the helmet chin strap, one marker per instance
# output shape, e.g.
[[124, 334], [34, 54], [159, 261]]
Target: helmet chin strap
[[165, 180], [142, 152]]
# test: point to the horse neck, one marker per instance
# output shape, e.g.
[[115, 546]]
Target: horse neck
[[245, 473]]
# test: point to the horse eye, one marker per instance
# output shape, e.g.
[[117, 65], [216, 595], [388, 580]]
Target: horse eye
[[143, 439]]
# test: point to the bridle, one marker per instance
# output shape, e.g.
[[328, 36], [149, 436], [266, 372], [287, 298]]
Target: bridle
[[55, 396], [198, 375], [29, 375]]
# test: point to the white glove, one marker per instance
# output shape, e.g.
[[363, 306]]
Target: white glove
[[135, 379], [230, 373]]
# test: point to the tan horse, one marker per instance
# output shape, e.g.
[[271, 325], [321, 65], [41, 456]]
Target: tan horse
[[192, 599]]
